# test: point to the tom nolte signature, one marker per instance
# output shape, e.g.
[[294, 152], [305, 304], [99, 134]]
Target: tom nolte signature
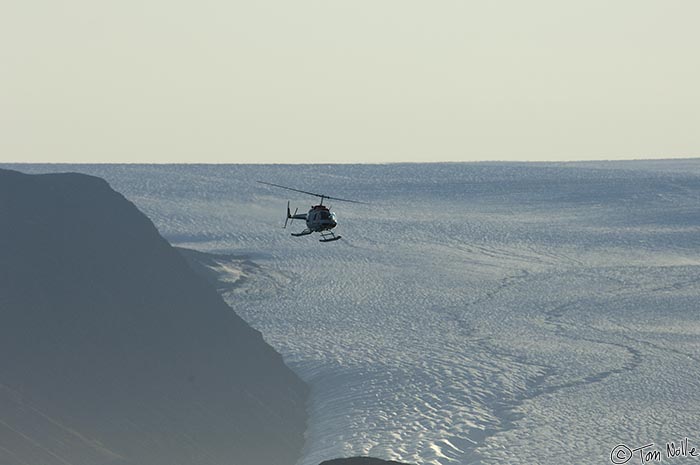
[[649, 454]]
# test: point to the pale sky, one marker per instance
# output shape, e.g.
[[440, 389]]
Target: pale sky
[[329, 81]]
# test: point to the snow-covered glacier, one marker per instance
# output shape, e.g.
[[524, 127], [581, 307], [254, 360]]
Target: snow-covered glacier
[[472, 313]]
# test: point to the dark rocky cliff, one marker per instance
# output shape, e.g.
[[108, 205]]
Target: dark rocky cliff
[[361, 461], [113, 351]]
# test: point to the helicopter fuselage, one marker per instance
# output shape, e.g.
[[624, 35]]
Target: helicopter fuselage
[[320, 218]]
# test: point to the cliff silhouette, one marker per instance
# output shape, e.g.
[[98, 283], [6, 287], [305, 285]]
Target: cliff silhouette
[[361, 461], [115, 352]]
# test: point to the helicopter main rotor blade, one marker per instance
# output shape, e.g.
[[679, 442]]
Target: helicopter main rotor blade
[[312, 193]]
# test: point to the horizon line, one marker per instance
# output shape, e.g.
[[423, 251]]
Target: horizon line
[[675, 158]]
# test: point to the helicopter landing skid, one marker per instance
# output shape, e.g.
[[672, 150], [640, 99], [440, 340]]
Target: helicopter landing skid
[[328, 237]]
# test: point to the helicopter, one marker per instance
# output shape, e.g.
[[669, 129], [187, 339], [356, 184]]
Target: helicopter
[[319, 219]]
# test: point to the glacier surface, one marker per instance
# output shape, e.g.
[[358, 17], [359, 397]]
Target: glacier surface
[[472, 313]]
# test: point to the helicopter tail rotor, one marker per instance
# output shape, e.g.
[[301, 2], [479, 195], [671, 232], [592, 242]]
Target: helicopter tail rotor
[[289, 215]]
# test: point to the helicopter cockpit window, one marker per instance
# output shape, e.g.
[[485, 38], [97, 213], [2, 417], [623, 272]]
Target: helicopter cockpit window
[[325, 216]]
